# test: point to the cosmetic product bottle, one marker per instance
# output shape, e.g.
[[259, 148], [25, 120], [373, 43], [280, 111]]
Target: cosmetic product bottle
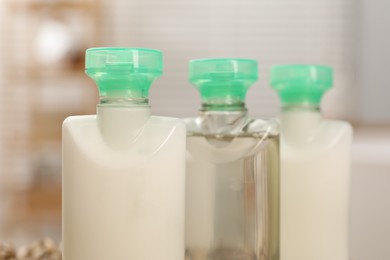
[[315, 167], [123, 168], [232, 178]]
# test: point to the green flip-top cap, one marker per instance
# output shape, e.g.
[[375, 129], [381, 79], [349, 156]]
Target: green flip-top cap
[[223, 80], [301, 83], [125, 72]]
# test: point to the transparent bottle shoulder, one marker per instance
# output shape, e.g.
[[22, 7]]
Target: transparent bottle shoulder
[[246, 127], [225, 145]]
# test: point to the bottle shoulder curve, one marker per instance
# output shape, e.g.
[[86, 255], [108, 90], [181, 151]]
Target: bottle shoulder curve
[[324, 135], [76, 123], [339, 127], [82, 135], [339, 123], [173, 121], [79, 119], [270, 125], [246, 126]]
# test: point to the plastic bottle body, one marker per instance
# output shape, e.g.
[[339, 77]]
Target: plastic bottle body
[[315, 177], [123, 186], [315, 167], [232, 177], [232, 191]]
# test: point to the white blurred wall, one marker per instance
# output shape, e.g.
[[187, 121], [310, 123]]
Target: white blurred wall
[[370, 195], [272, 32], [373, 62]]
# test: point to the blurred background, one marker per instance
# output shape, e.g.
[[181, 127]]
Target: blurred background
[[42, 81]]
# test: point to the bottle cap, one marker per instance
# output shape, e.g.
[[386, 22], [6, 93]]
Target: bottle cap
[[223, 80], [124, 71], [301, 83]]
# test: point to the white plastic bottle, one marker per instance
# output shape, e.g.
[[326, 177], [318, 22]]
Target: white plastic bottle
[[315, 168], [123, 169]]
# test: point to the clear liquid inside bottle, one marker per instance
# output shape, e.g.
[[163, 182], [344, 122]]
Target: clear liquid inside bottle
[[232, 175], [232, 190]]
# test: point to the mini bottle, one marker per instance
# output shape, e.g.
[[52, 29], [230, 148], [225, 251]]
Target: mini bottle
[[123, 169], [232, 179], [315, 167]]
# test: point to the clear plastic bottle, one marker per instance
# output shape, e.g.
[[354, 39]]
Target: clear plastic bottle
[[123, 169], [315, 167], [232, 180]]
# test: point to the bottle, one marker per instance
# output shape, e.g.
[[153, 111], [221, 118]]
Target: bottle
[[315, 167], [123, 169], [232, 178]]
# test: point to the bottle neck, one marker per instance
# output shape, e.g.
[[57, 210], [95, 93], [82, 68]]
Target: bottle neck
[[121, 120], [301, 107], [124, 97], [123, 89], [223, 118], [223, 106], [223, 95], [124, 102], [299, 121], [223, 109]]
